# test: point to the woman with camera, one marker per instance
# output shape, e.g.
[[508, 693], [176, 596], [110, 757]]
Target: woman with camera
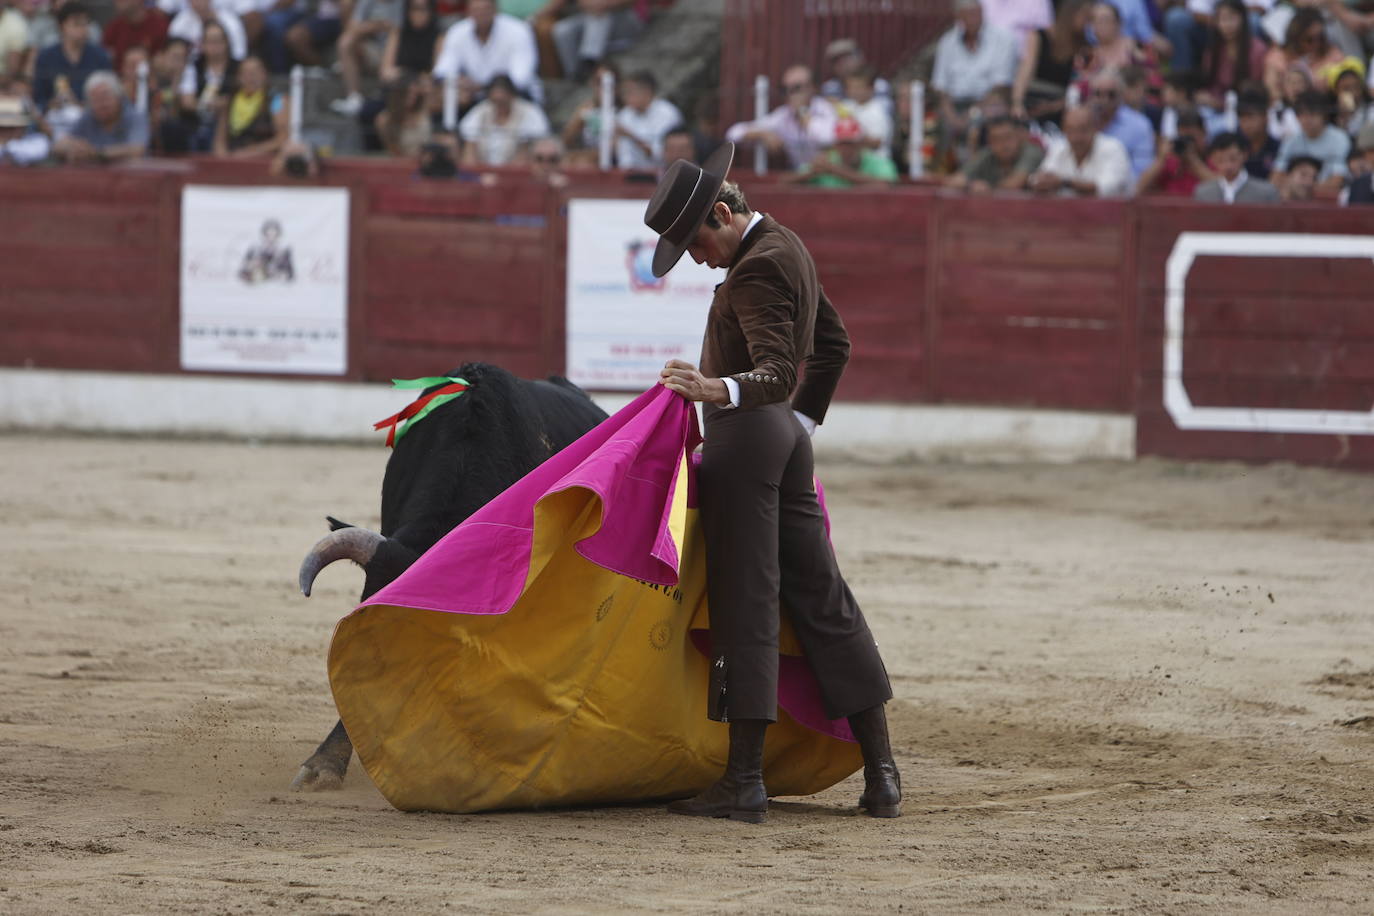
[[1180, 164]]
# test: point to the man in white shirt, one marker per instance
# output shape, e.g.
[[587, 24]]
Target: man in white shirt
[[485, 44], [801, 127], [641, 125], [1085, 162], [973, 57]]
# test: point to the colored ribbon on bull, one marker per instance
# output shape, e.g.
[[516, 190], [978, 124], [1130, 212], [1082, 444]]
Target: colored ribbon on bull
[[419, 408]]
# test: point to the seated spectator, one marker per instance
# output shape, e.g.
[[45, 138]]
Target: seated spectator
[[678, 143], [207, 86], [1300, 183], [1084, 162], [170, 133], [111, 130], [799, 128], [1138, 22], [706, 129], [1047, 63], [1122, 122], [1112, 48], [1306, 47], [1319, 140], [1353, 110], [1179, 165], [1006, 163], [413, 47], [1135, 94], [485, 44], [74, 58], [581, 134], [371, 23], [190, 23], [1186, 29], [14, 47], [44, 29], [845, 60], [599, 28], [1019, 18], [299, 31], [1233, 184], [21, 142], [135, 24], [1362, 189], [1180, 91], [1252, 119], [253, 121], [405, 125], [849, 162], [642, 122], [546, 162], [873, 113], [970, 59], [1233, 57], [497, 128]]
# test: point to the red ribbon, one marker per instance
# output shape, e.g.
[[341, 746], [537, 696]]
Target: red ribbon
[[412, 409]]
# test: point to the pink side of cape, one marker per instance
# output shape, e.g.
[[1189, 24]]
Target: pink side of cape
[[630, 462]]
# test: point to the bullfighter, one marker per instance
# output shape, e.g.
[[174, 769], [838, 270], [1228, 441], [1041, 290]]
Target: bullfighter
[[766, 542]]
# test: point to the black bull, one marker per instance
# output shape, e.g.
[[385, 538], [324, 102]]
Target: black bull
[[442, 470]]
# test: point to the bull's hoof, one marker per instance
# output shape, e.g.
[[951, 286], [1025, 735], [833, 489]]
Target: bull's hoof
[[318, 776]]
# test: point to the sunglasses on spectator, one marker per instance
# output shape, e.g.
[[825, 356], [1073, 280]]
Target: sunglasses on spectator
[[547, 159], [796, 87], [1104, 93]]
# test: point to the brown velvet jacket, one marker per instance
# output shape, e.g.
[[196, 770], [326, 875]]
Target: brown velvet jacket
[[769, 319]]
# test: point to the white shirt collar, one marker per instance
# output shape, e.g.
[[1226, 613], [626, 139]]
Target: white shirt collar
[[753, 221]]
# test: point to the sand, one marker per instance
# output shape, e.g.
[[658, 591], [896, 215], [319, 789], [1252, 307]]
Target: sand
[[1124, 688]]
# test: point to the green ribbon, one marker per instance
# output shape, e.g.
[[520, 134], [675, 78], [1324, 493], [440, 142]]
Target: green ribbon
[[435, 401]]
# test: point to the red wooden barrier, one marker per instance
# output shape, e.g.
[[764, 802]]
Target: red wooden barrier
[[1258, 334], [1027, 302], [992, 301]]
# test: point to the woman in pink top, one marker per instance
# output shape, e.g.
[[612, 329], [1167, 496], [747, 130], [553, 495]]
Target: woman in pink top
[[1304, 44], [1113, 49], [1234, 56]]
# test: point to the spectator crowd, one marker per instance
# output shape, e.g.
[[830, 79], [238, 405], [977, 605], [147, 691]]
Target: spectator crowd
[[1221, 100]]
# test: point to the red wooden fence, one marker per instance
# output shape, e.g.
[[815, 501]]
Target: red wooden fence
[[1010, 301]]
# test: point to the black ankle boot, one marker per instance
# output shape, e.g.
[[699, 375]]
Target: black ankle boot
[[739, 794], [882, 783]]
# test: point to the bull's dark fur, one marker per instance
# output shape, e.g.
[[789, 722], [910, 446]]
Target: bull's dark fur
[[448, 466], [457, 459]]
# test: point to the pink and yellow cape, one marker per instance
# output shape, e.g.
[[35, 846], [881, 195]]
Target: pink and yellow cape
[[549, 650]]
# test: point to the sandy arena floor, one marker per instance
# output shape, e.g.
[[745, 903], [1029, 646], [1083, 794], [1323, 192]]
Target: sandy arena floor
[[1121, 688]]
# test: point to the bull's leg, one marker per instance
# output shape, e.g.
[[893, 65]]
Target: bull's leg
[[326, 767]]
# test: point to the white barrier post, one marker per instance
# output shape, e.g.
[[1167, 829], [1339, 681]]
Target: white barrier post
[[607, 136], [916, 166], [760, 112], [451, 104], [297, 101], [141, 98], [1232, 120]]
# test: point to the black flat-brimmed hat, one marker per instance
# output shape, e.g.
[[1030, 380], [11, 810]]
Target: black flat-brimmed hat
[[681, 202]]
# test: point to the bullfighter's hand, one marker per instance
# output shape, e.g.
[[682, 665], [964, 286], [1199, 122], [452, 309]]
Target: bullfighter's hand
[[684, 378]]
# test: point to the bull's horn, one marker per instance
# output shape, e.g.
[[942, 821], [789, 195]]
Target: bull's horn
[[356, 544]]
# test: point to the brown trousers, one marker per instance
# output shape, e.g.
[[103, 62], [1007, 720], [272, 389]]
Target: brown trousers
[[767, 551]]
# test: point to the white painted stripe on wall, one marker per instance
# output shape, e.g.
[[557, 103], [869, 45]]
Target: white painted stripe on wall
[[215, 406]]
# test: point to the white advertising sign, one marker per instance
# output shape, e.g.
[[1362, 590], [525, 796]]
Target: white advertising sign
[[264, 279], [623, 324]]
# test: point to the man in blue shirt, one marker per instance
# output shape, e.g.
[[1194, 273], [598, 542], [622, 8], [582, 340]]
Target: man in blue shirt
[[1123, 122], [110, 130], [72, 59]]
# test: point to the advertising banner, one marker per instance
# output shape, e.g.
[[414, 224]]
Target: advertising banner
[[264, 279], [623, 324]]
